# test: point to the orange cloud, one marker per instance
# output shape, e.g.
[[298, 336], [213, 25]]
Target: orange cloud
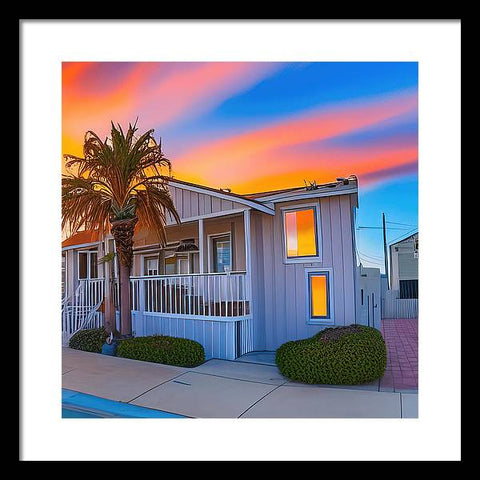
[[250, 154], [72, 70], [286, 169], [178, 94], [82, 111]]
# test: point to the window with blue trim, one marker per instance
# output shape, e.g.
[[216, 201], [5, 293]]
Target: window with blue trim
[[319, 296]]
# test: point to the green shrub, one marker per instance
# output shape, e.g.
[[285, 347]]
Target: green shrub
[[90, 340], [335, 356], [181, 352]]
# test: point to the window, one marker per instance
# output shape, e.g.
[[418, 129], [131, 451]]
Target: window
[[93, 265], [182, 264], [195, 262], [87, 265], [82, 265], [300, 231], [221, 247], [408, 288], [319, 297], [150, 266], [170, 265]]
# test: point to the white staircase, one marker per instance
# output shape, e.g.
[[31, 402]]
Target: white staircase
[[80, 313]]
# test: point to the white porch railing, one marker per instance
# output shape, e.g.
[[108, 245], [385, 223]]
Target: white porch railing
[[212, 295], [213, 309], [75, 318], [81, 310], [89, 292]]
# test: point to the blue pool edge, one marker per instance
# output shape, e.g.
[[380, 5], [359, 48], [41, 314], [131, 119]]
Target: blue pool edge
[[90, 406]]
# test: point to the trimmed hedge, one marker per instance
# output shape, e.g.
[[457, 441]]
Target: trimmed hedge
[[180, 352], [335, 356], [90, 340]]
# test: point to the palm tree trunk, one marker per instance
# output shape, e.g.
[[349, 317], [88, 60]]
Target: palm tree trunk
[[122, 231], [110, 323], [125, 307]]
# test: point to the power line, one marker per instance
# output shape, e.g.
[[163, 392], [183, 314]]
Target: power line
[[380, 228], [362, 257], [371, 256], [406, 224], [366, 260], [405, 235]]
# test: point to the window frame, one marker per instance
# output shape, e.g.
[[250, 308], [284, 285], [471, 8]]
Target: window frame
[[147, 257], [165, 258], [320, 320], [318, 233], [211, 239], [88, 253]]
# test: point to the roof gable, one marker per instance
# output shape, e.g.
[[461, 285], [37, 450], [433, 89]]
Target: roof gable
[[192, 201]]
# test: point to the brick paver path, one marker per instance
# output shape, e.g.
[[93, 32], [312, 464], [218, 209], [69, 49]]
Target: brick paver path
[[401, 338]]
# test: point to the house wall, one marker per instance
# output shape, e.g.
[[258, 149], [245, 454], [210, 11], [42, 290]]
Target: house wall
[[368, 296], [403, 264], [281, 302], [211, 226], [71, 256], [70, 272]]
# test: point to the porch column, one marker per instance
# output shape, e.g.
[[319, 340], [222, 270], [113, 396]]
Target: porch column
[[248, 253], [200, 245], [107, 292]]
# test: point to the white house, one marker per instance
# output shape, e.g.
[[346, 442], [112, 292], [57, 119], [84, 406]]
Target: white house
[[369, 296], [240, 273], [404, 266], [401, 299]]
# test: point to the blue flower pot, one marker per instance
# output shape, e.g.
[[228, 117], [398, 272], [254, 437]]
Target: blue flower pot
[[110, 349]]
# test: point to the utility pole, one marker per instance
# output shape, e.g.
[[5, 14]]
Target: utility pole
[[385, 255]]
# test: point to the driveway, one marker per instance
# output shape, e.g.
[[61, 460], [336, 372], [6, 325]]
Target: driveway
[[226, 389], [401, 338]]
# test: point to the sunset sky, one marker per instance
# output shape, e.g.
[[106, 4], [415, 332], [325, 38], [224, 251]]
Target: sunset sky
[[262, 126]]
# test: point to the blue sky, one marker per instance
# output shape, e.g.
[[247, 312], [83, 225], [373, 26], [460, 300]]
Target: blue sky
[[257, 126]]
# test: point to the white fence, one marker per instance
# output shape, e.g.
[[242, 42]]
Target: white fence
[[395, 307]]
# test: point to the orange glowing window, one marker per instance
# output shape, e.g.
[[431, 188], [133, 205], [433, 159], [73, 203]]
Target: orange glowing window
[[300, 234], [319, 295]]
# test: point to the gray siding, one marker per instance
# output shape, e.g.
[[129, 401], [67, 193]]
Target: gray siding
[[403, 264], [282, 312], [407, 266], [193, 204]]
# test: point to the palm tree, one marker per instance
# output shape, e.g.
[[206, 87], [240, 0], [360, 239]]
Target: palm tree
[[118, 183]]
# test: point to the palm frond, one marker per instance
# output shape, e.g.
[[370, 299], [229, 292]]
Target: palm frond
[[118, 178]]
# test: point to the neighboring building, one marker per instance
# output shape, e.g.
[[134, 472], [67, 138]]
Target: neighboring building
[[240, 273], [400, 300], [404, 266], [368, 296]]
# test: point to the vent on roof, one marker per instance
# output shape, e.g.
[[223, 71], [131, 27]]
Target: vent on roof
[[311, 185], [226, 190]]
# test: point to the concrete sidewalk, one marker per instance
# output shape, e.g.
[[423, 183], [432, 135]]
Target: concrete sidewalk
[[226, 389]]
